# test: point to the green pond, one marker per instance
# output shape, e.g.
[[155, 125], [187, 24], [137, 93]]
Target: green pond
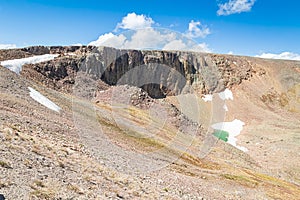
[[222, 135]]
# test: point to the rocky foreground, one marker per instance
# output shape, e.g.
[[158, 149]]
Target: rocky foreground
[[133, 125]]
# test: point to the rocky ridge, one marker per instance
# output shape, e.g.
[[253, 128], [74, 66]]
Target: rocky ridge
[[207, 73]]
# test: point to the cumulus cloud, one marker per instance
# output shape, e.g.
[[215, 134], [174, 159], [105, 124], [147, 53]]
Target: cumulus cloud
[[140, 34], [284, 56], [196, 30], [8, 46], [186, 46], [150, 38], [109, 39], [175, 44], [235, 6], [133, 21]]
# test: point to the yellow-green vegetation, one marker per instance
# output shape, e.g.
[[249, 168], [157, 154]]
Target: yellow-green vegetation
[[275, 188], [244, 180], [120, 135], [45, 194], [199, 163], [142, 118], [41, 191], [75, 189], [160, 135], [2, 185], [161, 139], [139, 116], [4, 164], [38, 183]]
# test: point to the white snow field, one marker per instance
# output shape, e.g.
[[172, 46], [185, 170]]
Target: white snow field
[[225, 107], [226, 94], [15, 65], [207, 97], [234, 128], [43, 100]]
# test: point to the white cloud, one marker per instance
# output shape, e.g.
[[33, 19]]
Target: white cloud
[[110, 39], [133, 21], [149, 38], [196, 30], [175, 44], [235, 6], [202, 47], [8, 46], [186, 46], [141, 35], [284, 56]]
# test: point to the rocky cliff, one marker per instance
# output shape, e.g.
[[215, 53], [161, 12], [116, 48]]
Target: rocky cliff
[[160, 73]]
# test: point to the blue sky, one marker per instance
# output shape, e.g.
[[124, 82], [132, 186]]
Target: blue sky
[[245, 27]]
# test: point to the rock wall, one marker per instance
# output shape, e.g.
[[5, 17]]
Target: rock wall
[[58, 74], [160, 73], [167, 73]]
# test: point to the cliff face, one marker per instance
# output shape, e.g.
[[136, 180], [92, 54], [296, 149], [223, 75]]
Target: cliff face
[[167, 73], [160, 73]]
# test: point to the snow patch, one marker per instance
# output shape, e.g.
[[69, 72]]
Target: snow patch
[[207, 97], [43, 100], [225, 107], [234, 128], [226, 94], [15, 65]]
